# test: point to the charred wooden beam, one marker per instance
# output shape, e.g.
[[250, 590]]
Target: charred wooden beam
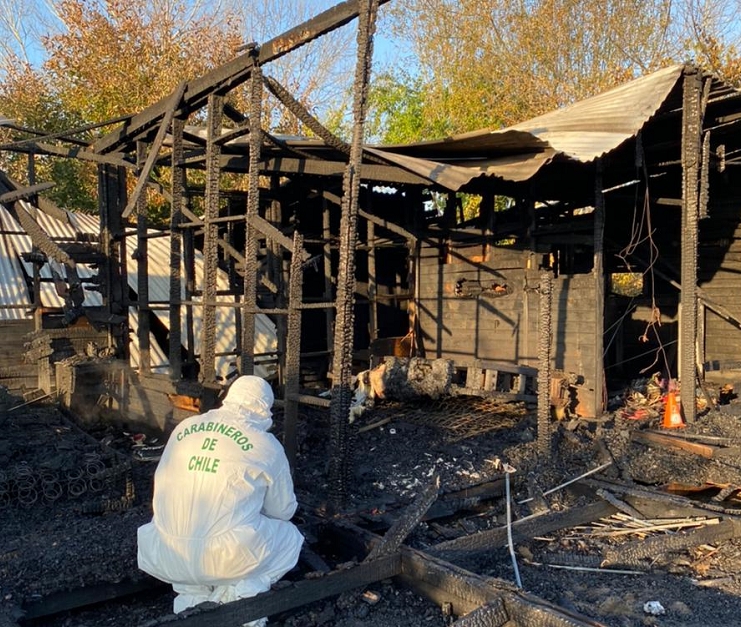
[[74, 152], [446, 584], [660, 502], [319, 167], [276, 235], [43, 204], [311, 165], [145, 169], [521, 530], [467, 592], [291, 597], [691, 156], [450, 503], [25, 192], [236, 71], [491, 614], [406, 523], [390, 226], [38, 236], [302, 113]]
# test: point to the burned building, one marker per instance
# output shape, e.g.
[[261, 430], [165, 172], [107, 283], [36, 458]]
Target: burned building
[[548, 262]]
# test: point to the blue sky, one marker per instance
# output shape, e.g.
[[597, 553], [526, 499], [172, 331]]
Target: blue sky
[[34, 18]]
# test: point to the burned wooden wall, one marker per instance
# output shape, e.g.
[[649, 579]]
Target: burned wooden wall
[[14, 374], [719, 257], [480, 303]]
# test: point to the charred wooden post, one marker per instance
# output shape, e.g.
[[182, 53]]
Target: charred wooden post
[[142, 264], [279, 277], [293, 349], [544, 362], [339, 468], [598, 272], [111, 200], [691, 155], [189, 272], [327, 263], [247, 359], [179, 185], [211, 234], [372, 281]]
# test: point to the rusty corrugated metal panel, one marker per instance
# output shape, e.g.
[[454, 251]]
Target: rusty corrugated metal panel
[[454, 175], [590, 128], [582, 132]]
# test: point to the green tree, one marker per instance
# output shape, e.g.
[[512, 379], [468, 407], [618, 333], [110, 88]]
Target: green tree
[[115, 57], [492, 63], [399, 111]]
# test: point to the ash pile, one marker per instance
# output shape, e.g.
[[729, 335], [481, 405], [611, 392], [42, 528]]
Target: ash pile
[[69, 507]]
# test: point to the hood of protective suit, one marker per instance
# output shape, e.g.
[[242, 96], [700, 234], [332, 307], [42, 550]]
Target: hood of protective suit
[[251, 397]]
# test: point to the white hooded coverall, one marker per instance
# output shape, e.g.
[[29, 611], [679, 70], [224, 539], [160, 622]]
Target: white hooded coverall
[[223, 499]]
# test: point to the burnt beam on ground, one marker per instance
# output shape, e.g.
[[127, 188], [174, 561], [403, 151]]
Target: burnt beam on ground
[[406, 523], [522, 529], [632, 554], [290, 597], [91, 595], [446, 584]]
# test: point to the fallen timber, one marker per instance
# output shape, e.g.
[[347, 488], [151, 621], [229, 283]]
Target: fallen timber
[[522, 529], [490, 601], [463, 591]]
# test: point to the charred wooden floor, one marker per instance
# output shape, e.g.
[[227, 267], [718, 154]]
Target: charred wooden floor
[[597, 531]]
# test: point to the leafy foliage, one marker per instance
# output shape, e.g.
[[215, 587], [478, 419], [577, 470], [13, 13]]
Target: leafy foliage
[[493, 63]]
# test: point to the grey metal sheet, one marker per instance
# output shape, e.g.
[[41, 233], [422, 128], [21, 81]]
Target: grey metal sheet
[[158, 255], [13, 288], [582, 132]]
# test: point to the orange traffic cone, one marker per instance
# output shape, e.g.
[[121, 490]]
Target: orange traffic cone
[[672, 413]]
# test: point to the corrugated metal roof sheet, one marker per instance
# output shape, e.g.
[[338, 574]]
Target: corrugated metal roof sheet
[[21, 243], [158, 255], [590, 128], [582, 132], [13, 288]]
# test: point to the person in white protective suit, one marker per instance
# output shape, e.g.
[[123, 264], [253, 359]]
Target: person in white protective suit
[[223, 500]]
